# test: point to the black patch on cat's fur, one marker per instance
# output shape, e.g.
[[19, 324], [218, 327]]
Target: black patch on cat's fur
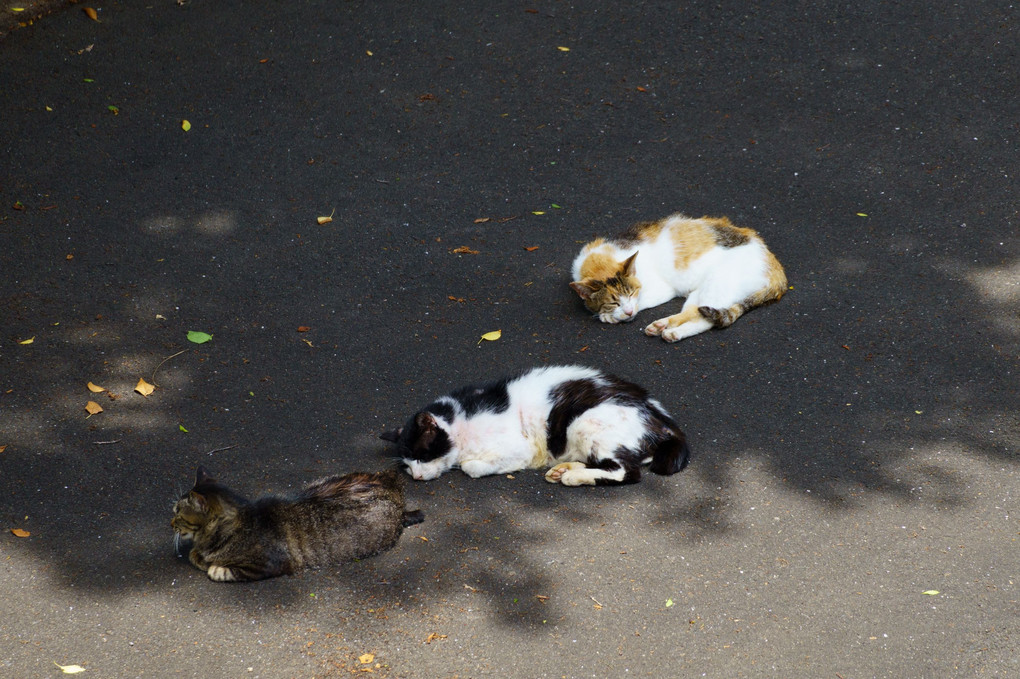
[[442, 409], [729, 236], [633, 233], [573, 398], [665, 442], [631, 473], [421, 438], [492, 397]]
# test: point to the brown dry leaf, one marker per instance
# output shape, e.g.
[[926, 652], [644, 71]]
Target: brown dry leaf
[[91, 13], [18, 532], [366, 658], [303, 328], [464, 250], [96, 389], [144, 388], [530, 248], [482, 220], [326, 220], [3, 448], [541, 597], [93, 408], [434, 637]]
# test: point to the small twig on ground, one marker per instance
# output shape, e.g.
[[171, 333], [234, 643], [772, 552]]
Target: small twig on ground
[[220, 450], [594, 599], [164, 361], [104, 443]]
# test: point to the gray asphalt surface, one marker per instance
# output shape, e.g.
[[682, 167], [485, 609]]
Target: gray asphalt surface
[[851, 509]]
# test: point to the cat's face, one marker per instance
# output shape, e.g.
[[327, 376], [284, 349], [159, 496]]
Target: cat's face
[[424, 446], [194, 510], [613, 299]]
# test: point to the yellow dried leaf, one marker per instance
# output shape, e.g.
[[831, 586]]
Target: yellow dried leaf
[[28, 341], [491, 336], [91, 13], [96, 389], [464, 250], [144, 388], [18, 532], [366, 658], [70, 669], [482, 220], [93, 408], [185, 125], [326, 220], [563, 49], [3, 448], [930, 592]]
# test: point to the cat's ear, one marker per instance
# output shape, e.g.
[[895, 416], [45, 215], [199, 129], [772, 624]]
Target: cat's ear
[[585, 288], [427, 427], [628, 265], [391, 436], [203, 476]]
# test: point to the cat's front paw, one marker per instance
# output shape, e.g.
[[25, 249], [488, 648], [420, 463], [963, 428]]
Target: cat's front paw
[[655, 328], [555, 475], [221, 574]]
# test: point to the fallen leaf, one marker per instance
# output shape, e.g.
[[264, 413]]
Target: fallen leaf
[[28, 341], [423, 538], [70, 669], [185, 125], [541, 597], [530, 248], [930, 592], [918, 412], [555, 206], [3, 448], [69, 257], [96, 389], [198, 337], [160, 317], [641, 89], [862, 214], [93, 408], [18, 205], [563, 49], [464, 250], [669, 602], [113, 109], [181, 427], [538, 212], [326, 220], [491, 336], [482, 220], [366, 658], [308, 343], [144, 388], [17, 9], [303, 328], [434, 637], [91, 13], [18, 532], [455, 299], [368, 52]]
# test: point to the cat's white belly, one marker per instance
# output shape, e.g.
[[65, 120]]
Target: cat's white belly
[[493, 444]]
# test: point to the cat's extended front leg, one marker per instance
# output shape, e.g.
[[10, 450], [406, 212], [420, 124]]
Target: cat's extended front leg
[[678, 326]]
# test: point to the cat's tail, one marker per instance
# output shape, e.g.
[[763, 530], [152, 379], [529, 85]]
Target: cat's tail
[[670, 452], [413, 518]]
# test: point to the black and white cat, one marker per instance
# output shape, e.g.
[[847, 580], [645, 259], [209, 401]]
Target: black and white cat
[[594, 427]]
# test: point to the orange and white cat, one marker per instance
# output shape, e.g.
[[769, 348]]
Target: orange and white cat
[[722, 270]]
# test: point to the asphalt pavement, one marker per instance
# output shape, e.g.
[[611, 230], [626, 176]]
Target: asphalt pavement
[[851, 508]]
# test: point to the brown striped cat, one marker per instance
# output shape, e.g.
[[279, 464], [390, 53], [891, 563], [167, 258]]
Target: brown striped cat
[[335, 519], [723, 271]]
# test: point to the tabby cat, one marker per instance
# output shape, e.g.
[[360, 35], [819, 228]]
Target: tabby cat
[[723, 270], [335, 519], [594, 427]]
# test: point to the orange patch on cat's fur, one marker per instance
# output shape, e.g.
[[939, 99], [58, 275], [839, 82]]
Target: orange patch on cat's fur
[[599, 266], [691, 243]]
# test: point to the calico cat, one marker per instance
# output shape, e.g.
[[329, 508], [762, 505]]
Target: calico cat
[[335, 519], [596, 428], [723, 270]]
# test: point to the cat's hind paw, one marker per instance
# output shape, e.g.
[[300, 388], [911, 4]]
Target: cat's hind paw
[[221, 574], [561, 473]]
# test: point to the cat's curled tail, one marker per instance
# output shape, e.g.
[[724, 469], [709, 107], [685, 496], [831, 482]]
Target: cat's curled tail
[[413, 518], [670, 452]]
